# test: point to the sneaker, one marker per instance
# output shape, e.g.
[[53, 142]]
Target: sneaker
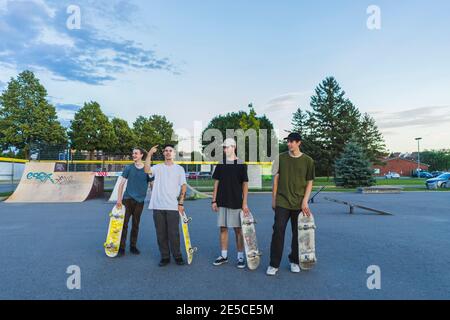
[[179, 261], [121, 253], [271, 271], [134, 250], [220, 260], [295, 268], [241, 264], [164, 262]]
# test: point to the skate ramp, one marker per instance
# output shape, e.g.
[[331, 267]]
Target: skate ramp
[[40, 183]]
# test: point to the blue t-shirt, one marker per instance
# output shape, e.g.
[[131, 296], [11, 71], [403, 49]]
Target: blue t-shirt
[[137, 183]]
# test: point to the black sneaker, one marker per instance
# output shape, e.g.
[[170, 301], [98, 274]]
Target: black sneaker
[[179, 261], [241, 264], [220, 260], [134, 250], [164, 262], [121, 253]]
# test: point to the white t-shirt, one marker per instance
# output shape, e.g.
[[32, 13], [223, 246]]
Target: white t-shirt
[[167, 186]]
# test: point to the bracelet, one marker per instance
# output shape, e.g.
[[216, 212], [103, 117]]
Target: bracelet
[[213, 202], [181, 205]]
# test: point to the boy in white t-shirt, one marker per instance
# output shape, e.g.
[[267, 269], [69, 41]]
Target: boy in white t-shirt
[[169, 190]]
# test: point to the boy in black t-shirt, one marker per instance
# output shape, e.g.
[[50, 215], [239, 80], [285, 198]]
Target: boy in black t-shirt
[[229, 198]]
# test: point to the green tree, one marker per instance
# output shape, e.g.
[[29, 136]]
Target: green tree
[[154, 130], [332, 122], [371, 139], [91, 130], [299, 121], [352, 168], [27, 119], [242, 120], [126, 138], [439, 160]]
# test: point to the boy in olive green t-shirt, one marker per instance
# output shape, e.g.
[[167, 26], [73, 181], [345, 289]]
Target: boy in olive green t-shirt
[[293, 181]]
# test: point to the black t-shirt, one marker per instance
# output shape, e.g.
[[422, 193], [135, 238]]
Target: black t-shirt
[[231, 176]]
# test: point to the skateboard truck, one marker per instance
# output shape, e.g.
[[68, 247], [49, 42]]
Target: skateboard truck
[[192, 250]]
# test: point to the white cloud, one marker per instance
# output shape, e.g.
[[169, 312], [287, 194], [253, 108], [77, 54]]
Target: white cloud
[[422, 117], [52, 37], [285, 102]]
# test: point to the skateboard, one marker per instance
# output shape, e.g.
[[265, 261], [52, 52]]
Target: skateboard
[[112, 244], [250, 244], [185, 220], [306, 242]]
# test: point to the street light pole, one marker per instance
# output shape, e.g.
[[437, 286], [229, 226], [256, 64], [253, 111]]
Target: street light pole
[[418, 154]]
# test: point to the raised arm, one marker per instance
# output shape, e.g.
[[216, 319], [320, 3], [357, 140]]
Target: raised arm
[[148, 160]]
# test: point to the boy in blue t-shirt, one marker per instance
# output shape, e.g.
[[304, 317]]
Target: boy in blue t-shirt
[[133, 198]]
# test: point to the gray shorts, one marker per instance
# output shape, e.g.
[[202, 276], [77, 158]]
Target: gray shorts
[[229, 218]]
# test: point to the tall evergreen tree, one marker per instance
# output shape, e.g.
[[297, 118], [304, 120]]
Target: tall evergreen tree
[[371, 139], [332, 121], [353, 168], [27, 119]]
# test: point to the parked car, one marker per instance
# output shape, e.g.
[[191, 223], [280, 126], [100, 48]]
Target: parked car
[[442, 181], [436, 173], [392, 175], [425, 174], [422, 174], [192, 175]]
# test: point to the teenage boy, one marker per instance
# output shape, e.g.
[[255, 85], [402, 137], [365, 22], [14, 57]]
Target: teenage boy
[[133, 198], [167, 203], [229, 198], [292, 186]]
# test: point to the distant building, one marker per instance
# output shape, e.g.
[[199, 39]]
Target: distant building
[[402, 166]]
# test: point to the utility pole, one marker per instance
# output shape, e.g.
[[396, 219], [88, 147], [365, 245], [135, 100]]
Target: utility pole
[[418, 154]]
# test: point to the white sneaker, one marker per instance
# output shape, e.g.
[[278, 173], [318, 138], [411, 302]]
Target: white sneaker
[[295, 268], [271, 271]]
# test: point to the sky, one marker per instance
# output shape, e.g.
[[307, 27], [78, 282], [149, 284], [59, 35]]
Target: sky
[[192, 60]]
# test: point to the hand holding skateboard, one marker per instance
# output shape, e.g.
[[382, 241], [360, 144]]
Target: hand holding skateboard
[[305, 210], [246, 210]]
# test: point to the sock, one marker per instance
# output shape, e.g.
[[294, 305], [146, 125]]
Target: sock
[[240, 256], [224, 253]]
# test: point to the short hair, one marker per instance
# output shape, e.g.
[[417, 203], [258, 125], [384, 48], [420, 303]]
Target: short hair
[[168, 145]]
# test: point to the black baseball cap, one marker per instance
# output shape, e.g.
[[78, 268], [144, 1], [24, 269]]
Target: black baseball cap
[[294, 136]]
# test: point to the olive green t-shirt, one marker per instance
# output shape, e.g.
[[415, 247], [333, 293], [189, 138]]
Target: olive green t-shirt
[[294, 174]]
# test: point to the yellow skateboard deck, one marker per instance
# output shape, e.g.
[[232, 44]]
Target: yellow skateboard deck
[[185, 220], [112, 244]]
